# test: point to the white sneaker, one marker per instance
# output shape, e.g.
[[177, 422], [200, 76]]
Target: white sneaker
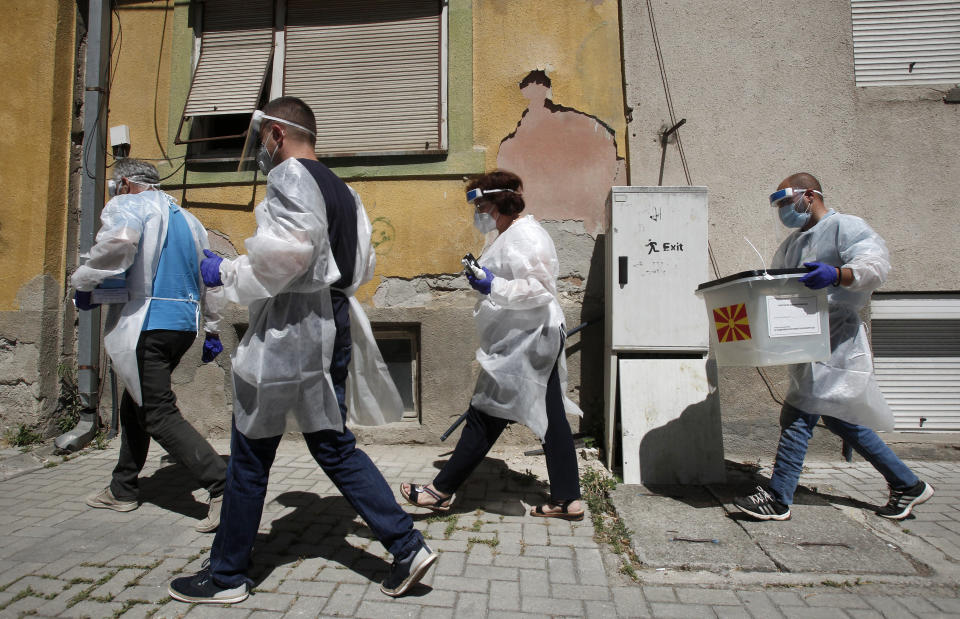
[[212, 521], [105, 500]]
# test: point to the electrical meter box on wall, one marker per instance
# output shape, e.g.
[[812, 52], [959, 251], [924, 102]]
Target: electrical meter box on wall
[[656, 257]]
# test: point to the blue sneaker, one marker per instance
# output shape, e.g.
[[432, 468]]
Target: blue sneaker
[[200, 589], [406, 572]]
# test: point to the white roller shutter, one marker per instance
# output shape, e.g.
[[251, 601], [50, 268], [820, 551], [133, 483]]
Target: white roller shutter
[[371, 72], [903, 42], [916, 349], [235, 51]]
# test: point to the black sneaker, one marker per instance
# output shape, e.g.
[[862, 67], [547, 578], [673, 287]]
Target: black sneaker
[[406, 572], [762, 506], [902, 501], [200, 589]]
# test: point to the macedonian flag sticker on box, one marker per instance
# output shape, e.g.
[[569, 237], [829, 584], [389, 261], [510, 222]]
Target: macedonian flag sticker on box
[[732, 323]]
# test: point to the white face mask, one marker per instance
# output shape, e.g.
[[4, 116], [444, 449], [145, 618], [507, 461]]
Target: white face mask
[[265, 158], [484, 222]]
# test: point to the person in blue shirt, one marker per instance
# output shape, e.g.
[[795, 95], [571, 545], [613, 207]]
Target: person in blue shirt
[[150, 245]]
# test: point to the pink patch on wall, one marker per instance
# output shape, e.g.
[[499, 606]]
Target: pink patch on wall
[[566, 158]]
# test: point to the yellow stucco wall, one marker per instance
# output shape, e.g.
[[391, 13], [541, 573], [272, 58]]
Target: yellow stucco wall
[[421, 225], [36, 60], [577, 44]]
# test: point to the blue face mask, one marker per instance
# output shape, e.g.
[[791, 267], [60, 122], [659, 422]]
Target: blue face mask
[[791, 218]]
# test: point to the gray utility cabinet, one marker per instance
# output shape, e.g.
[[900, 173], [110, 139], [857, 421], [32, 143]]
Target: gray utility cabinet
[[658, 374]]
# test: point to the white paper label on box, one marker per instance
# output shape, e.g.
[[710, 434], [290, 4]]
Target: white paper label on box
[[792, 316]]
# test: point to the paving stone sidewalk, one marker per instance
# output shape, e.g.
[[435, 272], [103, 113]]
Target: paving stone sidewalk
[[314, 557]]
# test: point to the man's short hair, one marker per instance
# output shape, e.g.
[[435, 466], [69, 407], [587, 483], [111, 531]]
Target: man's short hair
[[136, 170], [296, 111], [804, 180]]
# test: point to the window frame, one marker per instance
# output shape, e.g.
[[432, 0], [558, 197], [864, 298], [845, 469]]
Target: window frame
[[460, 157], [410, 333], [871, 29]]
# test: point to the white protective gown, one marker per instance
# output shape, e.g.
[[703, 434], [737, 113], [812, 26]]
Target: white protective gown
[[843, 386], [282, 365], [520, 324], [132, 232]]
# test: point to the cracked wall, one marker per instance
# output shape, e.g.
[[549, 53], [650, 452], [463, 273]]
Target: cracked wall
[[567, 158], [37, 110], [421, 224]]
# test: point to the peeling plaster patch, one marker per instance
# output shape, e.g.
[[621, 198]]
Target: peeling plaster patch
[[20, 400], [566, 158], [221, 245], [17, 360], [418, 291]]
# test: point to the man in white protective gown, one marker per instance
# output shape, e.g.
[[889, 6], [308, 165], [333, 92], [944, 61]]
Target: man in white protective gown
[[153, 248], [844, 255], [523, 373], [309, 255]]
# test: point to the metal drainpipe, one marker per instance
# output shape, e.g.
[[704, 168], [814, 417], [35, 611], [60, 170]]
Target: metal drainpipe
[[93, 158]]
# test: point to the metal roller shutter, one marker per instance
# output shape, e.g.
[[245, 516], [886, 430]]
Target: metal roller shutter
[[369, 70], [916, 349], [234, 56], [903, 42]]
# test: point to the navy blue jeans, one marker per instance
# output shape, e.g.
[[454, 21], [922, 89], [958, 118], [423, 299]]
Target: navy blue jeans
[[481, 431], [350, 469], [796, 428]]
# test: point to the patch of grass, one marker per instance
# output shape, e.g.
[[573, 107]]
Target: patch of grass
[[68, 402], [19, 596], [80, 581], [492, 542], [85, 594], [477, 525], [100, 440], [22, 436], [450, 519], [49, 464], [608, 527]]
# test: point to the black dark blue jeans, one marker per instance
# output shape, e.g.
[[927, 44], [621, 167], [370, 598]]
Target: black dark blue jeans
[[350, 469], [481, 431], [158, 353]]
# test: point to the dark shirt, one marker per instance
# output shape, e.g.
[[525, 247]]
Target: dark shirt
[[341, 219]]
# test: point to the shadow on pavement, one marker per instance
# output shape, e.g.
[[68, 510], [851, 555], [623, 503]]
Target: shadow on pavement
[[171, 488], [318, 528]]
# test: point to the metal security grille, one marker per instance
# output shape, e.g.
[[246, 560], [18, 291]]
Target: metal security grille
[[903, 42], [234, 56], [916, 348], [370, 70]]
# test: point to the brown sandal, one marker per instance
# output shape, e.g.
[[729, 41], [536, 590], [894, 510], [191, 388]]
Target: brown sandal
[[564, 514], [440, 504]]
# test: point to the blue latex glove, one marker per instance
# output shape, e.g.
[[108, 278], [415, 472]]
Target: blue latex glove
[[210, 269], [481, 285], [211, 348], [82, 300], [820, 276]]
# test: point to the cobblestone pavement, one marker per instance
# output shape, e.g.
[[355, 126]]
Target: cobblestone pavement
[[315, 558]]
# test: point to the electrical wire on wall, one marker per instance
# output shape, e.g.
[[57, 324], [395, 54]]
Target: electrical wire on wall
[[774, 393], [91, 137]]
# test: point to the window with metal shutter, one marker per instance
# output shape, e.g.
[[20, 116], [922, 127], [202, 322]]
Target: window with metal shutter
[[371, 72], [904, 42], [916, 350], [235, 51]]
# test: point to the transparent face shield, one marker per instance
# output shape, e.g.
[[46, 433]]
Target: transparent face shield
[[248, 158]]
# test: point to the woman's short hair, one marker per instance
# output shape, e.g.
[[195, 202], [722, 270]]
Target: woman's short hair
[[507, 202]]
